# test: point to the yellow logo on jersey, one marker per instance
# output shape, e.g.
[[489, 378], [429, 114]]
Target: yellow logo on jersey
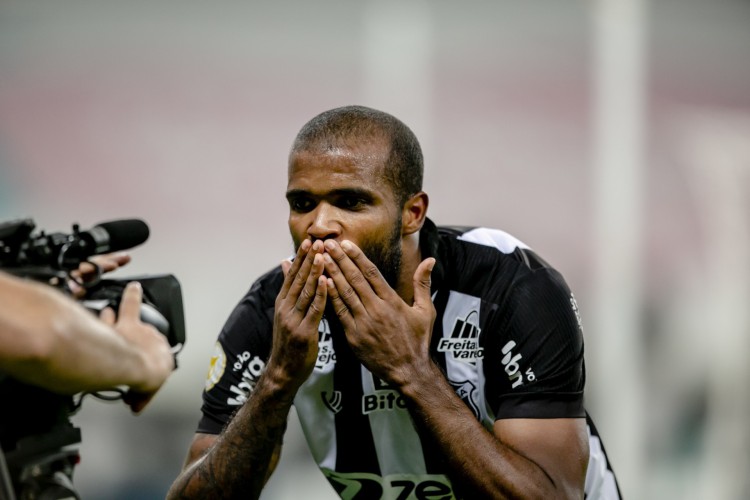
[[216, 367]]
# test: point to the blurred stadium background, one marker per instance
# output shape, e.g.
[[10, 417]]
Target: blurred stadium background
[[613, 136]]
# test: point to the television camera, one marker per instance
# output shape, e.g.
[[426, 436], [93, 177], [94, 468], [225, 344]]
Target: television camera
[[39, 443]]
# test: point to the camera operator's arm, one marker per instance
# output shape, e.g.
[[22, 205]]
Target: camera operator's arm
[[49, 340]]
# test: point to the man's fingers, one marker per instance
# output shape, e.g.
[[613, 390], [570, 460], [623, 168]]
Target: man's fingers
[[107, 315], [99, 264], [285, 266], [339, 307], [423, 282], [110, 261], [292, 271], [137, 401], [363, 275], [315, 311], [130, 304], [345, 294], [308, 293], [301, 279]]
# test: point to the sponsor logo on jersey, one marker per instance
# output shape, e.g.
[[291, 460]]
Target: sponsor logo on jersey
[[253, 368], [385, 398], [466, 390], [463, 344], [326, 354], [216, 367], [332, 402], [362, 485], [512, 363]]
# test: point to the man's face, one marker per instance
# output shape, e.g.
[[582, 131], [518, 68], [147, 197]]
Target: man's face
[[341, 194]]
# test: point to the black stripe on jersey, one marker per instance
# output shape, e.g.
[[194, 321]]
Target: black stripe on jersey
[[432, 455], [361, 457], [531, 405]]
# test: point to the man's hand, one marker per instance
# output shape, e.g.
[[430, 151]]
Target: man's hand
[[298, 311], [158, 358], [92, 269], [390, 337]]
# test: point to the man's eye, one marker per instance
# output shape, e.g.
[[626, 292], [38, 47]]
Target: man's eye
[[351, 202], [301, 205]]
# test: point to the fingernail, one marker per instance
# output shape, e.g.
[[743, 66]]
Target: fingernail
[[346, 245], [329, 244]]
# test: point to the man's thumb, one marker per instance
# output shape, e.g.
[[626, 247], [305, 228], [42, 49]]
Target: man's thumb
[[423, 281]]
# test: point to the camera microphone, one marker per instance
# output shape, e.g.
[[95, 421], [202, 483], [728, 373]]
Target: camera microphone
[[115, 235], [105, 237]]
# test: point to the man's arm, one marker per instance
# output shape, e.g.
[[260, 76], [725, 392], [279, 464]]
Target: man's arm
[[49, 340], [237, 463], [521, 458]]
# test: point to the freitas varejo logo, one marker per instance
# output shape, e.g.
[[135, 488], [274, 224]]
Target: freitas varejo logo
[[463, 343]]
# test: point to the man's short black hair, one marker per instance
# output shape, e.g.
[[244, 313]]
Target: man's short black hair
[[339, 126]]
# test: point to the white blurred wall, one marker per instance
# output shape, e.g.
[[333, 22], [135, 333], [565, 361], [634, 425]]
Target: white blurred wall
[[182, 113]]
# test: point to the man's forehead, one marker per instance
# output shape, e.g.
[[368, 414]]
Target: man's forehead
[[366, 159], [370, 145], [339, 169]]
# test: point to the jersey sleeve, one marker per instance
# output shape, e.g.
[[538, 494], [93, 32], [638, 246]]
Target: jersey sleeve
[[535, 365], [240, 354]]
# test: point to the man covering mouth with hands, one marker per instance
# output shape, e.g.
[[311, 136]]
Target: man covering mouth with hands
[[423, 361]]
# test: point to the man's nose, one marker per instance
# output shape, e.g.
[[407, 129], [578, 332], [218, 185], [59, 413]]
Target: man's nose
[[324, 224]]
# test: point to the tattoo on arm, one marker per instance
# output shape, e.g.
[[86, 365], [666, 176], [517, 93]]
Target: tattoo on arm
[[241, 460]]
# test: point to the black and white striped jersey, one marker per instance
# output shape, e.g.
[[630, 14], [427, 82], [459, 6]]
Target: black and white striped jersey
[[507, 337]]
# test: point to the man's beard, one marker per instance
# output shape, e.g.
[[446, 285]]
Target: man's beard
[[387, 255]]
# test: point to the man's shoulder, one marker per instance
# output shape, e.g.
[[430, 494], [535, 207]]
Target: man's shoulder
[[267, 286], [494, 238], [484, 261], [478, 243]]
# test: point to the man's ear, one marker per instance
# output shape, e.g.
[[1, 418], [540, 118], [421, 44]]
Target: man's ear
[[414, 213]]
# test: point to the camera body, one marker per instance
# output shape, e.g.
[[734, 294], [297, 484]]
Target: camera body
[[38, 440]]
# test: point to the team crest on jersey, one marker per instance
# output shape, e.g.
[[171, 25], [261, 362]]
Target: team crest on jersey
[[326, 354], [217, 366], [332, 401], [463, 343], [466, 390]]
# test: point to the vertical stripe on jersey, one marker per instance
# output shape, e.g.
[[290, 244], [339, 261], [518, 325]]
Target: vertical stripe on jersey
[[316, 405], [600, 480], [397, 443], [352, 426], [460, 344]]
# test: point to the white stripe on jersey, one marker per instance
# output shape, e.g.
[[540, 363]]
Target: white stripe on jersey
[[466, 374], [501, 240], [316, 419], [397, 443], [600, 481]]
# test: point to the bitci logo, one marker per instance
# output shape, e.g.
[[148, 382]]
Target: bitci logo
[[385, 397]]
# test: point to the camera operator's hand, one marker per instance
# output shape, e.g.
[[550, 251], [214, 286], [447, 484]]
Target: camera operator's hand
[[50, 341], [92, 269], [158, 360]]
